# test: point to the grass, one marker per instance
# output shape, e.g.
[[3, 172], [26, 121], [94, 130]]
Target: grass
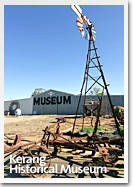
[[90, 129], [87, 129], [99, 128]]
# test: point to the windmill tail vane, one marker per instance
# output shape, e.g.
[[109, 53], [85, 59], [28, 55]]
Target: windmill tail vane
[[84, 24]]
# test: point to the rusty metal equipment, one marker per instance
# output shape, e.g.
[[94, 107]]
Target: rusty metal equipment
[[54, 141]]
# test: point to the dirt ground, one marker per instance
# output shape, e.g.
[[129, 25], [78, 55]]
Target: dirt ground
[[30, 127]]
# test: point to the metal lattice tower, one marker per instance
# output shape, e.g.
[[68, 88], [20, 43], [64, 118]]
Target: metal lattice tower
[[87, 30]]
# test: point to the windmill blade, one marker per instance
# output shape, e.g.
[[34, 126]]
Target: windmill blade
[[93, 38], [86, 36], [94, 35], [83, 33], [79, 24], [93, 31], [77, 10], [79, 20], [81, 29], [85, 17], [87, 20]]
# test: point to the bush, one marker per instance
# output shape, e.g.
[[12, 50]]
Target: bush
[[121, 128]]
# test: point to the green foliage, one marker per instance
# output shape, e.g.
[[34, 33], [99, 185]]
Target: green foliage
[[96, 91], [121, 128], [38, 91], [87, 129], [90, 129], [99, 128]]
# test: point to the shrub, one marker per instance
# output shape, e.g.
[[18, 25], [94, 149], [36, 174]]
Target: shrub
[[121, 128]]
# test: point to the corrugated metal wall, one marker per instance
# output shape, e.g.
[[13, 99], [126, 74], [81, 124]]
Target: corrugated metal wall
[[25, 105], [117, 100], [56, 102]]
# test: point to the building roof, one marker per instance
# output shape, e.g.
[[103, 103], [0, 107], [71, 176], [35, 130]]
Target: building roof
[[54, 91]]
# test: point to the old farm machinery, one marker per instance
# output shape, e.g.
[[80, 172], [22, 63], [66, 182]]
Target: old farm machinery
[[54, 140]]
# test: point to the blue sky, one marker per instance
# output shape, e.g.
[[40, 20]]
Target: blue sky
[[44, 49]]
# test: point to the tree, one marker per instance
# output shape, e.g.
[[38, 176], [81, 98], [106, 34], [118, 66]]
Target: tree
[[38, 91], [96, 91]]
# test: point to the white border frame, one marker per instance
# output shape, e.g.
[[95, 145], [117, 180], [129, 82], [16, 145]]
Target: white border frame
[[59, 2]]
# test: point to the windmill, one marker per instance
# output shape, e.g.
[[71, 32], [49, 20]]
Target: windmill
[[87, 30]]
